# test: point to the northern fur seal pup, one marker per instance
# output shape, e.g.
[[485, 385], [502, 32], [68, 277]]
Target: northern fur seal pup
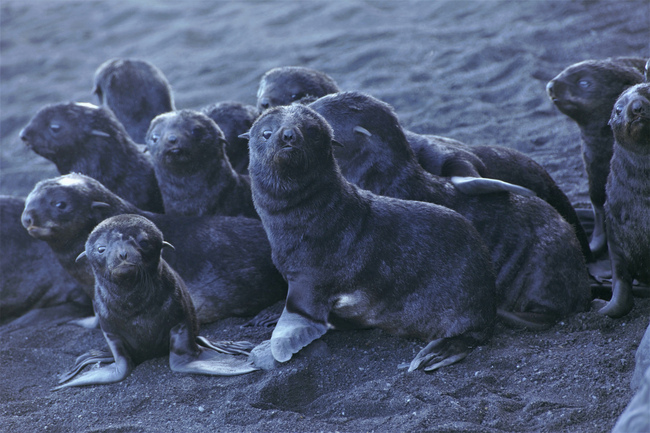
[[234, 119], [87, 139], [136, 91], [224, 261], [284, 85], [143, 307], [30, 276], [194, 173], [541, 273], [586, 92], [628, 198], [442, 156], [355, 259]]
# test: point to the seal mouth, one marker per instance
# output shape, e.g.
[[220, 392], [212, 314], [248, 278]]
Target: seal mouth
[[39, 232], [124, 269], [177, 154]]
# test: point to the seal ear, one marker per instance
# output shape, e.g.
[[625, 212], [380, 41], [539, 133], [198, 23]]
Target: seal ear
[[99, 205], [336, 143], [245, 135], [99, 133], [362, 130], [168, 245], [80, 256]]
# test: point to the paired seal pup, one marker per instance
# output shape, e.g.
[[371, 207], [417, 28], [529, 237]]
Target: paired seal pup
[[84, 138], [194, 173], [628, 198], [225, 261], [586, 92], [541, 273], [354, 259], [135, 91], [143, 307]]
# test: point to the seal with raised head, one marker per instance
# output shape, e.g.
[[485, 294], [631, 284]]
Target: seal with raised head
[[143, 307], [84, 138], [193, 170], [224, 261], [350, 258], [541, 273], [234, 119], [287, 84], [628, 198], [135, 91], [586, 92]]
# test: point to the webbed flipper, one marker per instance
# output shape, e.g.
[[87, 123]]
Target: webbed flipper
[[482, 185], [94, 356], [292, 333], [114, 372], [185, 356], [441, 352], [263, 319]]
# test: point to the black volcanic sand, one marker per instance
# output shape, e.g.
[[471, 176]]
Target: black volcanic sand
[[473, 71]]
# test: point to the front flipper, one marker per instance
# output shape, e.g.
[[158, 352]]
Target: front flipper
[[115, 372], [292, 333], [482, 185], [442, 352], [185, 356], [94, 356], [528, 319], [622, 300]]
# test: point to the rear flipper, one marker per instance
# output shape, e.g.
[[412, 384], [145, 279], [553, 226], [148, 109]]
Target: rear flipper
[[442, 352], [263, 319], [528, 320], [90, 322], [94, 356], [292, 333], [482, 185], [621, 303], [185, 356], [114, 372]]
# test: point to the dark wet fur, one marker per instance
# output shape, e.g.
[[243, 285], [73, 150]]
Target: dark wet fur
[[224, 261], [93, 142], [234, 119], [287, 84], [31, 277], [537, 258], [330, 238], [136, 91], [188, 150]]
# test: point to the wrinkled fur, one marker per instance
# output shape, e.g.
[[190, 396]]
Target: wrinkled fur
[[224, 261], [84, 138]]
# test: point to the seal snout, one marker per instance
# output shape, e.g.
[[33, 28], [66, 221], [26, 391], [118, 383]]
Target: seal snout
[[264, 103], [288, 136]]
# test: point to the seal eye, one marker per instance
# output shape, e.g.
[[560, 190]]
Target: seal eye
[[197, 132], [144, 244], [585, 84], [55, 127], [101, 249], [267, 134], [295, 96], [61, 205]]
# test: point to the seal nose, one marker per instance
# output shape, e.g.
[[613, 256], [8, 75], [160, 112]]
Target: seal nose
[[123, 255], [550, 89], [288, 135], [23, 134], [636, 107], [27, 219], [172, 138], [265, 103]]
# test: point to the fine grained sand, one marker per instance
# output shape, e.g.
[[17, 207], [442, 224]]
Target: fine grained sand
[[473, 71]]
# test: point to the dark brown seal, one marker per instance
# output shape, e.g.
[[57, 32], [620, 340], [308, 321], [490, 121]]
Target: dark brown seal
[[136, 91], [350, 258], [143, 307], [541, 274], [287, 84], [628, 198], [234, 119], [193, 170], [30, 276], [586, 92], [87, 139], [225, 261]]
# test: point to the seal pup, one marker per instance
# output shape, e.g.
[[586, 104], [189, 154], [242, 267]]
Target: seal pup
[[88, 139], [143, 307], [286, 84], [541, 273], [446, 157], [188, 150], [30, 276], [628, 198], [586, 92], [135, 91], [234, 119], [350, 260], [224, 261]]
